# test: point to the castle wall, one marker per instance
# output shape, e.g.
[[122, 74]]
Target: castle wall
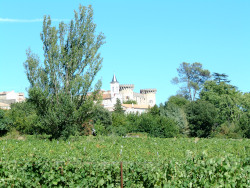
[[150, 98], [127, 94], [140, 99]]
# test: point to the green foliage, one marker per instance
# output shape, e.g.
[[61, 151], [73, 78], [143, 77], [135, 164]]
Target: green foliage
[[101, 114], [220, 77], [151, 123], [158, 126], [244, 124], [228, 130], [130, 102], [178, 101], [118, 107], [119, 124], [4, 122], [60, 85], [201, 116], [60, 120], [226, 98], [100, 128], [24, 118], [133, 121], [232, 107], [147, 162], [193, 76], [244, 121], [155, 111], [177, 113], [14, 134]]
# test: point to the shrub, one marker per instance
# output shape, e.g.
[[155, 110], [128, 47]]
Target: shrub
[[158, 126], [24, 118], [4, 122]]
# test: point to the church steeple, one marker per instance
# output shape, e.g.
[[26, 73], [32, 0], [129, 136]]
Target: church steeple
[[114, 87], [114, 80]]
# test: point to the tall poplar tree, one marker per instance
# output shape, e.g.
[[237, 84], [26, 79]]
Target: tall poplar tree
[[60, 84]]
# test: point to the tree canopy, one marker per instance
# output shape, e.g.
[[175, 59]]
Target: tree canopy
[[225, 97], [59, 85], [193, 76], [220, 77]]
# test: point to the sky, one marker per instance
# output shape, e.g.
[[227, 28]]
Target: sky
[[146, 40]]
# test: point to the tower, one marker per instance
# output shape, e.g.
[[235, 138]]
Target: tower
[[114, 87], [149, 95], [114, 90]]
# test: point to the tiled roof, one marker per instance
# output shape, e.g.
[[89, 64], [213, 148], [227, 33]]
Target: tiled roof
[[135, 106], [4, 104], [106, 96]]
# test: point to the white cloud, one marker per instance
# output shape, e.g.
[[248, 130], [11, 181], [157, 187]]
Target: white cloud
[[28, 21]]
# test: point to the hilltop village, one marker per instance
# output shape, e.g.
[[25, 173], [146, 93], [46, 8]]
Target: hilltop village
[[140, 102]]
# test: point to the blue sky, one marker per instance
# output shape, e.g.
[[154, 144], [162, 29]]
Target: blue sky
[[146, 40]]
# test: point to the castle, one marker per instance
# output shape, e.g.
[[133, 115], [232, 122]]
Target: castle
[[124, 92]]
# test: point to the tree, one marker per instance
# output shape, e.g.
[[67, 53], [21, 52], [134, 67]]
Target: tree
[[118, 107], [201, 116], [232, 108], [244, 121], [4, 122], [178, 101], [177, 113], [119, 124], [155, 111], [60, 86], [193, 76], [225, 97], [220, 77]]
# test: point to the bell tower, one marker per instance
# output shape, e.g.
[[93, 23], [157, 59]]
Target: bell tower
[[114, 87]]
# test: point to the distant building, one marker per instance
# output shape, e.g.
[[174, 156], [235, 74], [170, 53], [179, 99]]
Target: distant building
[[9, 97], [124, 92]]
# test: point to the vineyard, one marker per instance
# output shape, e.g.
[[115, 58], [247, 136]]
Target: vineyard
[[147, 162]]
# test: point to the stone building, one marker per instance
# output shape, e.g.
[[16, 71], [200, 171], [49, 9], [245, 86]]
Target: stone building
[[9, 97], [125, 92]]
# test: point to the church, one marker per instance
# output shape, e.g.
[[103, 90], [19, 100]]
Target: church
[[125, 92]]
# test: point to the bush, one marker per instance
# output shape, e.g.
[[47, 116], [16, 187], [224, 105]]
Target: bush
[[119, 124], [228, 130], [244, 124], [176, 113], [100, 128], [24, 118], [4, 122], [158, 126], [101, 116]]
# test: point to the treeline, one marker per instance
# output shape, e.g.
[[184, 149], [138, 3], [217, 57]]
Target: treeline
[[220, 111]]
